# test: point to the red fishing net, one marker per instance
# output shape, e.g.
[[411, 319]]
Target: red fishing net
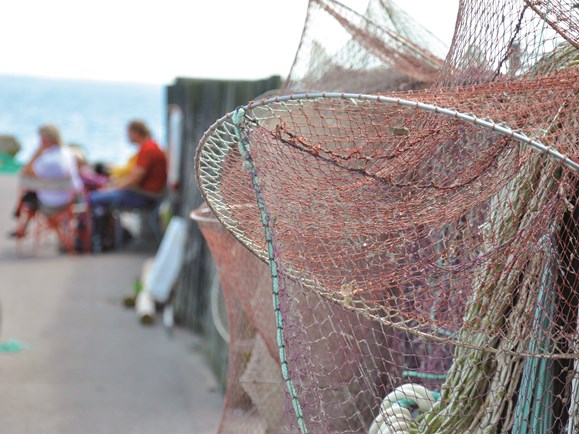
[[383, 50], [422, 244]]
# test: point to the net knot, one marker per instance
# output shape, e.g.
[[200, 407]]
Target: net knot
[[237, 116]]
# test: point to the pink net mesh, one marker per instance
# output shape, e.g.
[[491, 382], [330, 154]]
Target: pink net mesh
[[422, 244], [383, 50]]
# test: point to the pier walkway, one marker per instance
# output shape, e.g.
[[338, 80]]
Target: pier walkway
[[90, 367]]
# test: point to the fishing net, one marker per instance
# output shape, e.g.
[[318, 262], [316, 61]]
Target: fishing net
[[255, 391], [382, 50], [255, 398], [422, 244], [509, 39]]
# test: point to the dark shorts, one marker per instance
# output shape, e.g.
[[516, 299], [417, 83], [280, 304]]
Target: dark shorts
[[29, 200]]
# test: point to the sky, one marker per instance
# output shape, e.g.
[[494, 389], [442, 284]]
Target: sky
[[156, 41]]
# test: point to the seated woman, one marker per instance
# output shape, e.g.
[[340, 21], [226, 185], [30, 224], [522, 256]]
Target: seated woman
[[92, 179], [141, 187], [50, 161]]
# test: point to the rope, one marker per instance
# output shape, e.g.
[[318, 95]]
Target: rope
[[395, 415], [423, 375], [533, 411], [237, 120]]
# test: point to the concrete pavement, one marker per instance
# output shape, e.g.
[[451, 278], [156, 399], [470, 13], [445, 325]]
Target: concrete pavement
[[91, 367]]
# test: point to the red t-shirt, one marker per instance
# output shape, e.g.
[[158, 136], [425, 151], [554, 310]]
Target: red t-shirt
[[152, 160]]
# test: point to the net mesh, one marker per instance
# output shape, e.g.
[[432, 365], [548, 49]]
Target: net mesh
[[255, 393], [510, 39], [255, 396], [382, 50], [421, 245]]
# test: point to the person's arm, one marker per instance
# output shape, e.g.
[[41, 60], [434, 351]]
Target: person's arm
[[132, 180], [28, 170]]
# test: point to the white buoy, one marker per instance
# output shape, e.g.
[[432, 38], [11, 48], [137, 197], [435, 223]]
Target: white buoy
[[145, 307], [144, 303]]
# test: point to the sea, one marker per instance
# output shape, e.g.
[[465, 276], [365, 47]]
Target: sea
[[92, 114]]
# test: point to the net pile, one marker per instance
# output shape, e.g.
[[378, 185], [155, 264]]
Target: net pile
[[422, 245], [382, 50]]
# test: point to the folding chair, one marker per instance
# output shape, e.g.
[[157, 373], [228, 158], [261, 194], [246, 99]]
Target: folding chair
[[150, 214], [69, 223]]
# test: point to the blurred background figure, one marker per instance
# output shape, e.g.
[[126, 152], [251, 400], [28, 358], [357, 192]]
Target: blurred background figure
[[140, 185], [50, 161], [93, 177]]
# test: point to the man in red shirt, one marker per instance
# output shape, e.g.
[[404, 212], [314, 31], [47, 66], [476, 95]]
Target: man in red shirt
[[142, 187]]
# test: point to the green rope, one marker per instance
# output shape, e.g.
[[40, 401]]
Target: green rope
[[423, 375], [237, 119], [533, 410], [409, 402], [406, 403]]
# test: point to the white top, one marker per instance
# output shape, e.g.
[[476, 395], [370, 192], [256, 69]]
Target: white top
[[57, 163]]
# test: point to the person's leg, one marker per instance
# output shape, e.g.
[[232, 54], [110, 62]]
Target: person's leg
[[128, 201], [26, 214], [105, 199], [27, 197], [102, 202], [118, 199], [27, 208]]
